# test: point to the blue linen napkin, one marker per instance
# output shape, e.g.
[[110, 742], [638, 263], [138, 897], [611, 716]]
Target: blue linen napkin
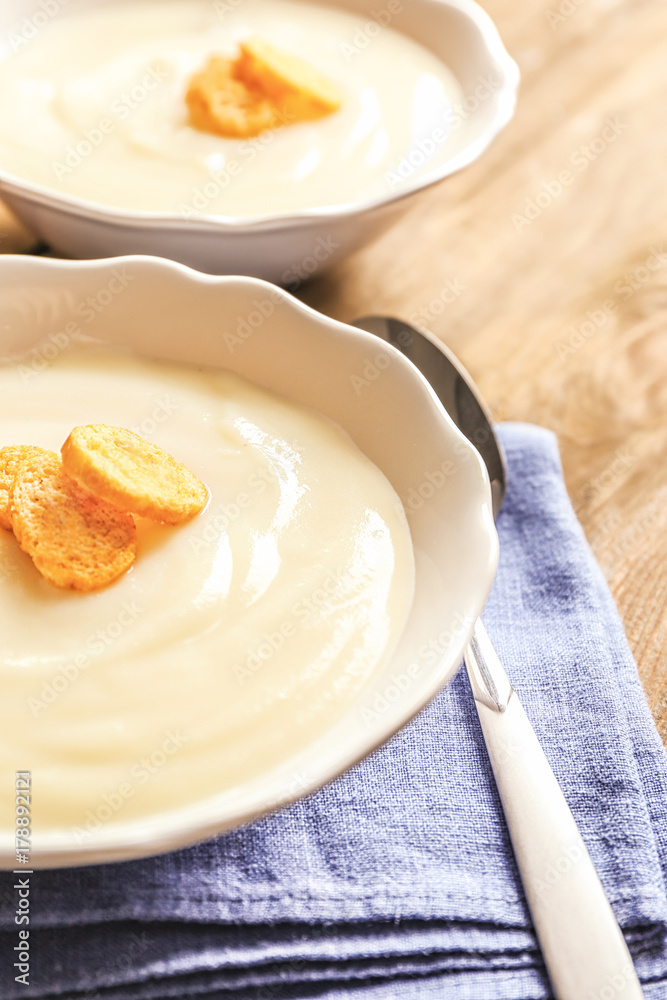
[[398, 880]]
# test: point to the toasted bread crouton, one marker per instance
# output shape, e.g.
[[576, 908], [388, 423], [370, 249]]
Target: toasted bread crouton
[[295, 87], [122, 468], [220, 104], [262, 88], [74, 539], [10, 459]]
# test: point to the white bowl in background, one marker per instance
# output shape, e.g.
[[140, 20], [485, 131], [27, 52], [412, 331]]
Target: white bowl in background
[[459, 32], [167, 311]]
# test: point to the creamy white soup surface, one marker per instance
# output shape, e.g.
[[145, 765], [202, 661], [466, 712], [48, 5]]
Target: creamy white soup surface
[[235, 639], [94, 107]]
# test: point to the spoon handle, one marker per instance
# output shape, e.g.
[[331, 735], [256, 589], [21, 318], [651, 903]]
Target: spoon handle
[[583, 947]]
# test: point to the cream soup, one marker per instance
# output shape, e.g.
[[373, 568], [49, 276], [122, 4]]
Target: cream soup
[[235, 639], [94, 107]]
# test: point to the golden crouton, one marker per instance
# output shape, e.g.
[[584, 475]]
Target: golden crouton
[[297, 89], [74, 539], [218, 103], [10, 459], [262, 88], [122, 468]]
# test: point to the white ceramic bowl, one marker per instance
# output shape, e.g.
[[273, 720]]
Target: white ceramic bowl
[[280, 247], [166, 310]]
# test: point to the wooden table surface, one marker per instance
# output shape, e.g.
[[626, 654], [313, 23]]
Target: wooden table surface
[[556, 300]]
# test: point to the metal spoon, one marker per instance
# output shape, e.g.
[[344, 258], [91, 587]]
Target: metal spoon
[[583, 947]]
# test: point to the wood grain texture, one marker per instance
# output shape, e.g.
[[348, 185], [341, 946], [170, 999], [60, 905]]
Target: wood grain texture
[[561, 317]]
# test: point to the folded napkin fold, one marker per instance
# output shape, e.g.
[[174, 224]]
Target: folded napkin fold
[[398, 880]]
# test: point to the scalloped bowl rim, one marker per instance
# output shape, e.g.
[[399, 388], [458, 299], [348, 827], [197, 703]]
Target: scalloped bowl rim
[[198, 821]]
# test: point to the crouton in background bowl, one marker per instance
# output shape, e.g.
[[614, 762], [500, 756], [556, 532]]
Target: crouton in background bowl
[[293, 199]]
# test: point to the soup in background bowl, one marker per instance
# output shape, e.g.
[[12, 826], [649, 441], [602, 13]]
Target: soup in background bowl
[[98, 155]]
